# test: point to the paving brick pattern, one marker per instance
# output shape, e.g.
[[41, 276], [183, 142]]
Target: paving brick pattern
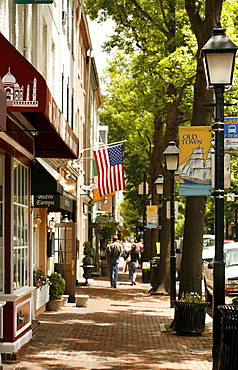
[[123, 328]]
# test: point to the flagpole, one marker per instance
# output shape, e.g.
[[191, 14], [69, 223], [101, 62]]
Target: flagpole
[[103, 146]]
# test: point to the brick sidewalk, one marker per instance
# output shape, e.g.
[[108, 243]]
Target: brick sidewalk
[[123, 328]]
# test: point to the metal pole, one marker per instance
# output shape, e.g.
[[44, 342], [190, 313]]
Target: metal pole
[[172, 254], [219, 265], [144, 208]]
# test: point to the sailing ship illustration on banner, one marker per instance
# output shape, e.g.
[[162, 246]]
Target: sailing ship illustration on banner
[[195, 170]]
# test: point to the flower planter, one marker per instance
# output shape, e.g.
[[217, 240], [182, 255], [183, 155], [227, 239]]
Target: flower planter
[[87, 272], [55, 304], [190, 317], [105, 270], [41, 296]]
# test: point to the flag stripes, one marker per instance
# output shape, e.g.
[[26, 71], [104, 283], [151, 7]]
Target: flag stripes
[[110, 169]]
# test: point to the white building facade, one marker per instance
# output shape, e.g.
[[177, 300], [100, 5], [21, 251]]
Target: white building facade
[[49, 101]]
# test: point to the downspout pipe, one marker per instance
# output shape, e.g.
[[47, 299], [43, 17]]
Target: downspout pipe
[[26, 32]]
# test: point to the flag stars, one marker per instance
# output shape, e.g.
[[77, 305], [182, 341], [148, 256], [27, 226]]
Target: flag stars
[[115, 155]]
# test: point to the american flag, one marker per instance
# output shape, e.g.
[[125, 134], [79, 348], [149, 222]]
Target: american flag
[[110, 169]]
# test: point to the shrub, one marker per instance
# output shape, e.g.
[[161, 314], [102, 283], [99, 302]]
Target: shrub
[[88, 253], [57, 285]]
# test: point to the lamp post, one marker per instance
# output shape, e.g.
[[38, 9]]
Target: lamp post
[[159, 186], [143, 190], [219, 60], [171, 155]]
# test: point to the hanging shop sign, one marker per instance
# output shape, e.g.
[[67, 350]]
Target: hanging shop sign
[[33, 1], [195, 177], [53, 201]]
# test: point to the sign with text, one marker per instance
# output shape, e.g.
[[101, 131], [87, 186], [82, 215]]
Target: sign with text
[[231, 134], [195, 160], [53, 201], [33, 1]]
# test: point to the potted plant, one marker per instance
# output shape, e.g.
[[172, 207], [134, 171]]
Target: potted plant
[[41, 282], [87, 261], [57, 287], [190, 314], [104, 267]]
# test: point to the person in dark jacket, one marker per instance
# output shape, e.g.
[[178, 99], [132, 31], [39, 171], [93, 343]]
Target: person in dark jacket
[[114, 251], [133, 263]]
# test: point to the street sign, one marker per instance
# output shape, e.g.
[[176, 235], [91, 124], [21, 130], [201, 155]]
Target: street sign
[[33, 1], [231, 134], [168, 209], [230, 197]]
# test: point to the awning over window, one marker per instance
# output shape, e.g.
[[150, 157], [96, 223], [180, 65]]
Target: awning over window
[[48, 192], [27, 93], [42, 182]]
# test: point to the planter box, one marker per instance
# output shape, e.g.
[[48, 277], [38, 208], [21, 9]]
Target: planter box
[[41, 296], [105, 270], [189, 318], [55, 304]]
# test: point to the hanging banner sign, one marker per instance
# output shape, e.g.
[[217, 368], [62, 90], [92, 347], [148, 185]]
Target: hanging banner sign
[[33, 1], [231, 134], [152, 217], [195, 161]]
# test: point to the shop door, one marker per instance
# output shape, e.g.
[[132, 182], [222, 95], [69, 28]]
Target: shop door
[[65, 249]]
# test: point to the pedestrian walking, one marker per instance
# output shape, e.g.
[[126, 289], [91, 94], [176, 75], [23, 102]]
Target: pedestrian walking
[[114, 251], [133, 263], [140, 247], [126, 248]]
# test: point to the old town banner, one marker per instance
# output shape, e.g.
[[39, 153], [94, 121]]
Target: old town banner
[[152, 217], [195, 161]]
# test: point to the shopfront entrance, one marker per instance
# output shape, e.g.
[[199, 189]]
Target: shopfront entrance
[[65, 255]]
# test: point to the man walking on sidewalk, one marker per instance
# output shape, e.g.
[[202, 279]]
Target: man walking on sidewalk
[[114, 251]]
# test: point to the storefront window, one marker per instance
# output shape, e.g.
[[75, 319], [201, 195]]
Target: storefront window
[[20, 234], [64, 241]]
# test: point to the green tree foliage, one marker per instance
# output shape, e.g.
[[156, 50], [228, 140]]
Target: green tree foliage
[[149, 94], [149, 86]]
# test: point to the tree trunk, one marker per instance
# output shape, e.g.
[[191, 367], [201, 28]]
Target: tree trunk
[[191, 268], [191, 271]]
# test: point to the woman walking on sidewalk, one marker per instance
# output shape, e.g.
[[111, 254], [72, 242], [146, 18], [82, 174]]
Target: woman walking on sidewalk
[[133, 263]]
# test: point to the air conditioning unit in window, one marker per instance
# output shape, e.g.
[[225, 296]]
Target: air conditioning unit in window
[[64, 16]]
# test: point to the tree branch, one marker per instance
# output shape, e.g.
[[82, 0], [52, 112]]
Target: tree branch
[[138, 7]]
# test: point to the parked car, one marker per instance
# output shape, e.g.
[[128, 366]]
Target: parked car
[[208, 250], [231, 272], [208, 247]]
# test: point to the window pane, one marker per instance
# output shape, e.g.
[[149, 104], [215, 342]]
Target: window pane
[[20, 238]]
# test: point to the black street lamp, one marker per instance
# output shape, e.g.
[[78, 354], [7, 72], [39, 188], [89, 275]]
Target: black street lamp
[[159, 186], [171, 155], [219, 59]]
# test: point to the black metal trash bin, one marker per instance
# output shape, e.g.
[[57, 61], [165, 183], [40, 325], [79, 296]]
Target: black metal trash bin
[[154, 271], [145, 276], [228, 359]]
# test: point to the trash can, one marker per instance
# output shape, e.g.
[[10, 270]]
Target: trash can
[[154, 271], [145, 272], [228, 359]]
